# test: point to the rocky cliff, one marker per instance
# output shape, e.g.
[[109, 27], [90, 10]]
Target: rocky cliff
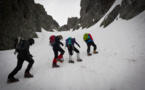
[[72, 23], [22, 18], [128, 9], [93, 10]]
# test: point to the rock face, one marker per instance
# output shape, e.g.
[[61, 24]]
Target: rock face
[[64, 28], [127, 10], [22, 18], [131, 8], [93, 10], [72, 23], [111, 17]]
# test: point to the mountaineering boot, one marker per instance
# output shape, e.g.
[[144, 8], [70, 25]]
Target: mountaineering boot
[[95, 52], [12, 80], [28, 75], [70, 61], [79, 60], [55, 66], [59, 58], [89, 54]]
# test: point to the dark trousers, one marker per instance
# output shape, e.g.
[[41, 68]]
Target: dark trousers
[[71, 49], [56, 49], [19, 66], [89, 44]]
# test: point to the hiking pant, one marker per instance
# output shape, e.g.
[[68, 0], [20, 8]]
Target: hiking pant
[[56, 49], [71, 49], [89, 44], [19, 66]]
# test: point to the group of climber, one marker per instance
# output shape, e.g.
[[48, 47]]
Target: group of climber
[[22, 48], [55, 43]]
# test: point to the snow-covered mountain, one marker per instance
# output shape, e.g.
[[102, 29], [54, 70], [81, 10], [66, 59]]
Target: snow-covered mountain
[[118, 66]]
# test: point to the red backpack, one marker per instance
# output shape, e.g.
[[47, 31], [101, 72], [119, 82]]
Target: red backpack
[[52, 40], [90, 36]]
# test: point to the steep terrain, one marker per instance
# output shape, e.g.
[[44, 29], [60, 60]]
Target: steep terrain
[[22, 18]]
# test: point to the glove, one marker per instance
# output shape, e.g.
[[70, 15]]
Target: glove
[[79, 46], [30, 55], [62, 44], [15, 52]]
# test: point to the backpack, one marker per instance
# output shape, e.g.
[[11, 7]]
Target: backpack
[[85, 37], [52, 40], [68, 41], [18, 43], [90, 36]]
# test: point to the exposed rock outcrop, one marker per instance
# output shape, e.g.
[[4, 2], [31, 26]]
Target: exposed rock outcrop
[[64, 28], [72, 23], [131, 8], [93, 10], [127, 10], [22, 18], [111, 16]]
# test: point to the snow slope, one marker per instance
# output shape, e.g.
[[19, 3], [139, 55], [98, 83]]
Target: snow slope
[[118, 66]]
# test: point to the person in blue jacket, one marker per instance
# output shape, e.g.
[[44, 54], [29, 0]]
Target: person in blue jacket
[[90, 42]]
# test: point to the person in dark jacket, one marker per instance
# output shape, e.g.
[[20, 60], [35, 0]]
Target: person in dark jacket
[[23, 54], [71, 47], [57, 49]]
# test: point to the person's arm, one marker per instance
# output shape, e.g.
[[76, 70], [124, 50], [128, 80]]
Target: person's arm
[[76, 42], [57, 39]]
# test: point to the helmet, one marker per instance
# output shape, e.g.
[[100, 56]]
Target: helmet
[[31, 41]]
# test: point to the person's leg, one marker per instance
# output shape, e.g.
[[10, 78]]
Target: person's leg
[[88, 49], [17, 68], [61, 53], [95, 47], [76, 50], [70, 50], [54, 64], [30, 64], [78, 54], [55, 56]]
